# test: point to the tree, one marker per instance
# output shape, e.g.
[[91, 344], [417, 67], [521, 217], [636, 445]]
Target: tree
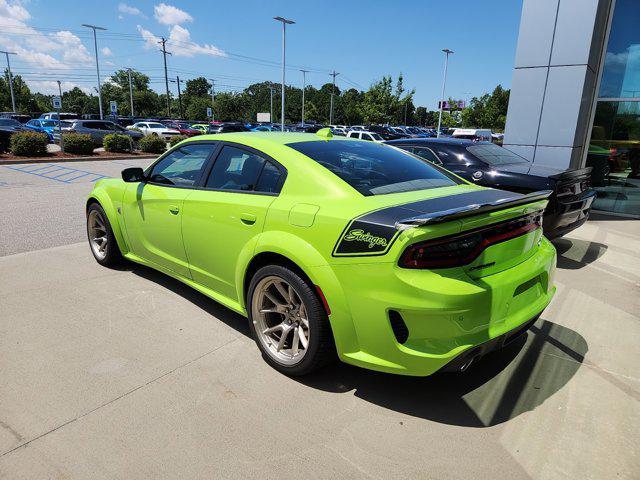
[[197, 87], [488, 111], [139, 80]]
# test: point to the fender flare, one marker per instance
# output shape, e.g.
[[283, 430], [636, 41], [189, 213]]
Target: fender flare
[[115, 219], [316, 268]]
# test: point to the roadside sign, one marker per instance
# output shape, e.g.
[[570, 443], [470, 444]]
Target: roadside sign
[[456, 105], [264, 117], [113, 106], [57, 103], [209, 112]]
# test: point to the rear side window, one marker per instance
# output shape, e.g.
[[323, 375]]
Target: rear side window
[[269, 181], [374, 169], [235, 169], [426, 153], [494, 155]]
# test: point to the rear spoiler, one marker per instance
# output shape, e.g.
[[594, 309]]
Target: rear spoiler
[[471, 209], [572, 174]]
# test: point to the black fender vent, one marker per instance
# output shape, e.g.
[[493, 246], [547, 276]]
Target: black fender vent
[[398, 326]]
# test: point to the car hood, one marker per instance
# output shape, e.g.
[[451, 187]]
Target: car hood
[[530, 169]]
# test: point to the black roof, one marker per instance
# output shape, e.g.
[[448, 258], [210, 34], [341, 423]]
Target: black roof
[[463, 142]]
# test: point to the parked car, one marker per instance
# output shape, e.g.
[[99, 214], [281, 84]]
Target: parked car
[[385, 132], [369, 136], [334, 247], [339, 131], [184, 128], [99, 128], [155, 128], [42, 126], [5, 138], [489, 165], [20, 117], [63, 116], [12, 124], [227, 128], [477, 134], [201, 127], [264, 128]]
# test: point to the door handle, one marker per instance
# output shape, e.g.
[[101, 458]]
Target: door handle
[[174, 209], [248, 218]]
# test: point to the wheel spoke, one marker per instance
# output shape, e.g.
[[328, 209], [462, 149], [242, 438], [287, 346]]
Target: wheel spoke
[[282, 291], [273, 299], [270, 310], [271, 330], [283, 337], [292, 293], [303, 337], [295, 341]]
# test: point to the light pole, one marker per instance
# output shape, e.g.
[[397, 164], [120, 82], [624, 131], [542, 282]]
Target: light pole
[[130, 91], [163, 41], [333, 74], [447, 52], [95, 45], [304, 86], [285, 22], [13, 99], [59, 119]]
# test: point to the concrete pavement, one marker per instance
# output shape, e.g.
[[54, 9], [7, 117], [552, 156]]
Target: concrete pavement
[[128, 374]]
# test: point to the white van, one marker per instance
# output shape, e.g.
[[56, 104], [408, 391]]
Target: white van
[[370, 136], [472, 134]]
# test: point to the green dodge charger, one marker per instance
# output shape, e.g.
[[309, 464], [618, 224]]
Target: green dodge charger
[[334, 247]]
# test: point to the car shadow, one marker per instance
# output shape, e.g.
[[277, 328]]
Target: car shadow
[[574, 254], [499, 387]]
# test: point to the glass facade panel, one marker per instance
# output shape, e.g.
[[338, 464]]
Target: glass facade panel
[[614, 146], [621, 74]]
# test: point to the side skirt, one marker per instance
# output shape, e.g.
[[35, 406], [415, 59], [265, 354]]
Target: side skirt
[[221, 299]]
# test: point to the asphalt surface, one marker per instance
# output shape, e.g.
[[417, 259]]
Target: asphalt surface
[[42, 204], [129, 374]]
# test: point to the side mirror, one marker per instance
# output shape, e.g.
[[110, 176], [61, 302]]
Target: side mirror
[[134, 174]]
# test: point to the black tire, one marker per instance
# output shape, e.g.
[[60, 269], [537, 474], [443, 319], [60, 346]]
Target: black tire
[[321, 349], [112, 255]]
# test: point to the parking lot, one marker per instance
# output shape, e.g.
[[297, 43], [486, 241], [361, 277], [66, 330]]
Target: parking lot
[[129, 374]]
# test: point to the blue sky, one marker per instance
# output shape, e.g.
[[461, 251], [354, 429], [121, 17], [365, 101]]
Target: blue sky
[[238, 43]]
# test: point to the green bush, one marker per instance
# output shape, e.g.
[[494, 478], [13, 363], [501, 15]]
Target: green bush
[[117, 143], [29, 144], [152, 144], [177, 139], [78, 143]]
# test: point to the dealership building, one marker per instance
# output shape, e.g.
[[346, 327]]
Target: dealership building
[[575, 95]]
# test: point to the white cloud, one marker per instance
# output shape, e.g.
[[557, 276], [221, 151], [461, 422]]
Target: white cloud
[[106, 51], [73, 50], [170, 15], [51, 86], [151, 41], [128, 9], [13, 11], [182, 46]]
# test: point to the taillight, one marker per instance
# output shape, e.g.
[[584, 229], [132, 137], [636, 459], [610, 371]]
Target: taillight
[[462, 249]]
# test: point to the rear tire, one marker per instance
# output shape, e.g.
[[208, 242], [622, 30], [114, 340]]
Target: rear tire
[[101, 239], [280, 303]]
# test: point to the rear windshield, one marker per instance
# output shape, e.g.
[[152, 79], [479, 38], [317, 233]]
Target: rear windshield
[[374, 169], [495, 155]]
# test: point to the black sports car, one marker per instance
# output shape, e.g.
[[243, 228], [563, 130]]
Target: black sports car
[[490, 165]]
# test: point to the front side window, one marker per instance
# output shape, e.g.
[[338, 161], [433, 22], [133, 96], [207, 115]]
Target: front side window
[[236, 169], [183, 166], [494, 155], [156, 125], [373, 168]]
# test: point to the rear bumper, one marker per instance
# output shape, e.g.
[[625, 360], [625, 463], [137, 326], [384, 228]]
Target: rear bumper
[[568, 215], [446, 313]]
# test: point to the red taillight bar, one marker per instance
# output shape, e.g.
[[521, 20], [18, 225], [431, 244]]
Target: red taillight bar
[[464, 248]]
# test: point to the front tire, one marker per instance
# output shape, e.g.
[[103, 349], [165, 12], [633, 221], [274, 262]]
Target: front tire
[[101, 239], [288, 321]]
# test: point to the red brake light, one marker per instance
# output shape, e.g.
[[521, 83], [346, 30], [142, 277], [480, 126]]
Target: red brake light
[[462, 249]]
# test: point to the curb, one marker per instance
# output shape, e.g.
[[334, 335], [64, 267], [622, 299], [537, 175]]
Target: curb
[[73, 159]]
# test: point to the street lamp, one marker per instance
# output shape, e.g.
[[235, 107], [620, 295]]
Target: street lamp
[[13, 98], [95, 45], [447, 52], [285, 22]]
